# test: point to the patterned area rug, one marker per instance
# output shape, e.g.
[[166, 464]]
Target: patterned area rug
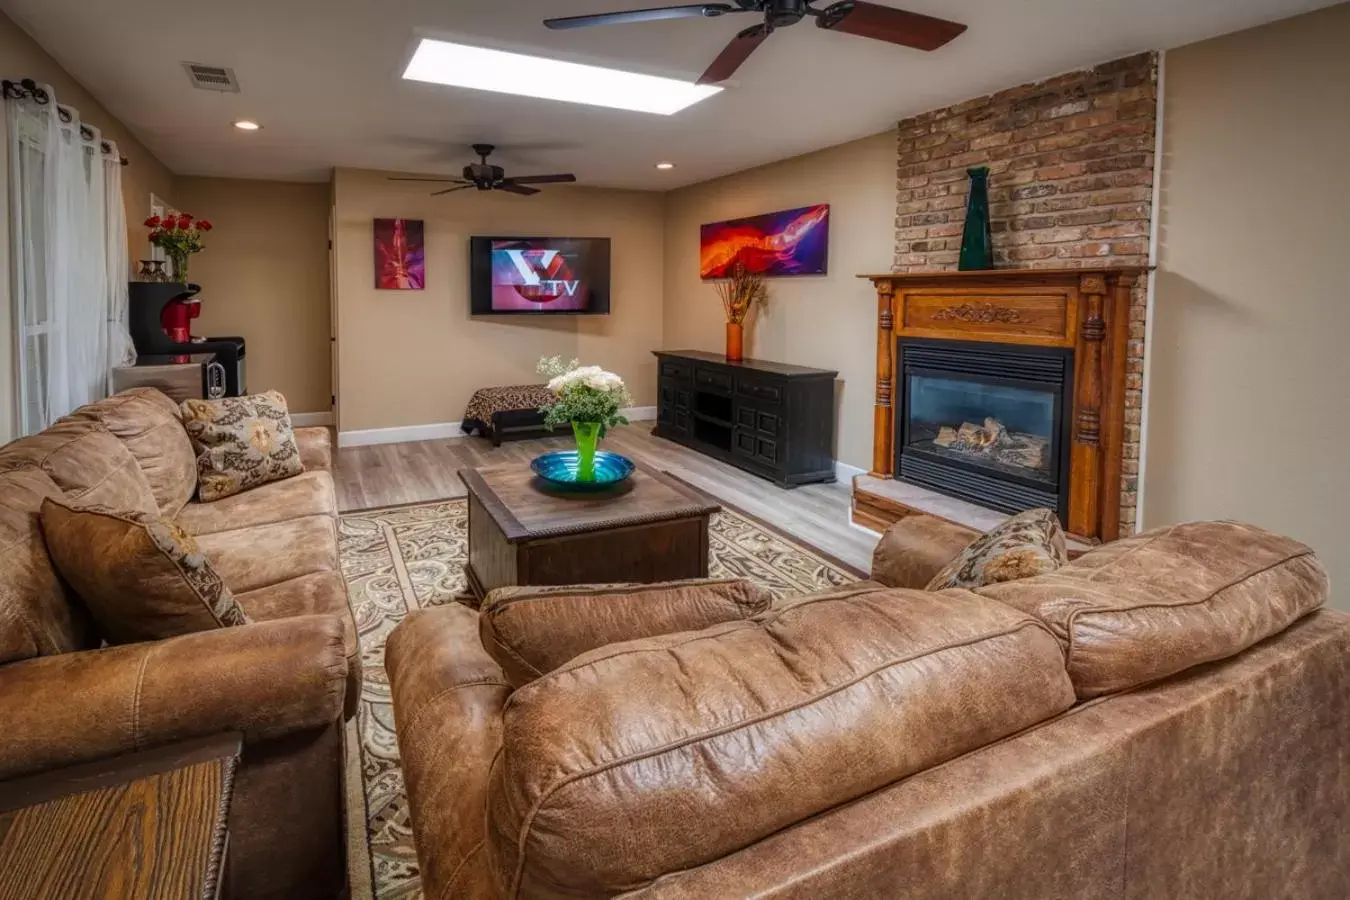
[[398, 560]]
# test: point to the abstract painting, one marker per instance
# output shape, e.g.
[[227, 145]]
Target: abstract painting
[[400, 256], [792, 242]]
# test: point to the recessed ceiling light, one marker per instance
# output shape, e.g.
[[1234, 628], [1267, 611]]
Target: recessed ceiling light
[[459, 65], [247, 125], [665, 165]]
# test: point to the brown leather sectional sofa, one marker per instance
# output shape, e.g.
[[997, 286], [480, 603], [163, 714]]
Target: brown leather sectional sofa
[[285, 682], [1166, 717]]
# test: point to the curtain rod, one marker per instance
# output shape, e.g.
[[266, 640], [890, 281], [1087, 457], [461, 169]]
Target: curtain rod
[[27, 87]]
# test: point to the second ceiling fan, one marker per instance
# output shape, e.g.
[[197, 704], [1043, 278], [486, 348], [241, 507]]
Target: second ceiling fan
[[856, 17]]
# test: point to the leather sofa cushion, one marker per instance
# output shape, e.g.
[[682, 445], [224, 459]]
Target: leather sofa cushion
[[264, 555], [241, 442], [915, 549], [37, 615], [149, 425], [87, 463], [322, 593], [1150, 606], [531, 630], [141, 576], [662, 754], [308, 494]]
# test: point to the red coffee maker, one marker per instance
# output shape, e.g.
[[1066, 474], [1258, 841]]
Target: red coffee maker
[[160, 320], [177, 316]]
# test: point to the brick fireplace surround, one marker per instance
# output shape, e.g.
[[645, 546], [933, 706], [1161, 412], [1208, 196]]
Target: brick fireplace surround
[[1071, 185]]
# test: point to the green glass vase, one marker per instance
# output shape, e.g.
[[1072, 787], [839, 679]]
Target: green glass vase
[[588, 436], [977, 243]]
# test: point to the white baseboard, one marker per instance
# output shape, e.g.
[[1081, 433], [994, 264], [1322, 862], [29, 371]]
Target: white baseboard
[[404, 434], [843, 472], [311, 420], [441, 430]]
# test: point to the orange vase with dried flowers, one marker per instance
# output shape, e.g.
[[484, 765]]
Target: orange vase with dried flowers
[[741, 291]]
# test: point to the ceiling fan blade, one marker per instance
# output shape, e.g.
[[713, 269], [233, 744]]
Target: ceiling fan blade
[[462, 187], [514, 188], [736, 53], [885, 23], [691, 11], [432, 180], [542, 179]]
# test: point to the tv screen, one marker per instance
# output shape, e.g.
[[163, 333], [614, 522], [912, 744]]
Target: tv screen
[[539, 276]]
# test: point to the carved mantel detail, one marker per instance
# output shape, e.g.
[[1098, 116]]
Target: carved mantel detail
[[1083, 311], [983, 313]]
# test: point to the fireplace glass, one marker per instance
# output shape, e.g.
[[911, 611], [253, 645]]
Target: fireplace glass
[[985, 422], [1010, 430]]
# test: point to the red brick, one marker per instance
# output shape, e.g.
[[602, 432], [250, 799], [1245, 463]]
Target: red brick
[[953, 201], [1064, 141], [1067, 109], [1032, 191], [995, 139], [927, 142], [1058, 235], [915, 181], [1024, 254], [1124, 229], [951, 148], [1133, 212], [1115, 163], [1090, 120], [1117, 196], [1031, 223], [1060, 172], [1130, 248]]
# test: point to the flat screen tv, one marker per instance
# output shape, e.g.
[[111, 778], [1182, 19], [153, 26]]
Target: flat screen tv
[[539, 276]]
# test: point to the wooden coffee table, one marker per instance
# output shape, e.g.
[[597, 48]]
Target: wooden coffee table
[[522, 532], [149, 825]]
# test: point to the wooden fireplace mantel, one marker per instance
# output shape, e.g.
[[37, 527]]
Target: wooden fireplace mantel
[[1084, 310]]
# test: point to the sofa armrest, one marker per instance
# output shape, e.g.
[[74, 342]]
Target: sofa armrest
[[316, 448], [265, 680], [916, 548], [448, 697]]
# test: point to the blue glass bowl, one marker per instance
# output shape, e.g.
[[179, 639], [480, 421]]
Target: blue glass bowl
[[559, 468]]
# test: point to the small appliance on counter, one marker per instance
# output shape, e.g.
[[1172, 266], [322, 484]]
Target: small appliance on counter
[[160, 320], [194, 376]]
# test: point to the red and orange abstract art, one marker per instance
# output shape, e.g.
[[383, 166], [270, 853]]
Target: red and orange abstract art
[[400, 256], [792, 242]]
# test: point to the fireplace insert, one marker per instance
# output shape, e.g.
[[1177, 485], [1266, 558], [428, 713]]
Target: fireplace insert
[[985, 423]]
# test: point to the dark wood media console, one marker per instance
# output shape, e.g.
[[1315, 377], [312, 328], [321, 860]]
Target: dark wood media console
[[768, 418]]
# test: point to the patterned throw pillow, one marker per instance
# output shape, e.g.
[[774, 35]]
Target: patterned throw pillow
[[141, 577], [241, 442], [1030, 543]]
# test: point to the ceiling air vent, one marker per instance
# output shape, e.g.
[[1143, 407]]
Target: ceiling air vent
[[212, 78]]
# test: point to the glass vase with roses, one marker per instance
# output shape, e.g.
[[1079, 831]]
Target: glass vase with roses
[[179, 236]]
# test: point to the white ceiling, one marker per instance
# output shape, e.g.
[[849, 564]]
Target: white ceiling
[[323, 78]]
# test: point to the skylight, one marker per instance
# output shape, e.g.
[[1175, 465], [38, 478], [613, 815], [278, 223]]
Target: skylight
[[459, 65]]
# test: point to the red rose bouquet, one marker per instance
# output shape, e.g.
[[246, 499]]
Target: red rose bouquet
[[179, 236]]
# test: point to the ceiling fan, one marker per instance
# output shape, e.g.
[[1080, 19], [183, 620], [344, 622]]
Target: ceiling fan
[[870, 20], [486, 177]]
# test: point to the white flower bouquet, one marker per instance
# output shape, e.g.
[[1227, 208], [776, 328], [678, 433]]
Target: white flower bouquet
[[585, 395]]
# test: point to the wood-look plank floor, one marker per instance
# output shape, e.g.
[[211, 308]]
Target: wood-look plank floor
[[395, 474]]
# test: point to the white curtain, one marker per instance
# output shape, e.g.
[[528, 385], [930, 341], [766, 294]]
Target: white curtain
[[70, 259]]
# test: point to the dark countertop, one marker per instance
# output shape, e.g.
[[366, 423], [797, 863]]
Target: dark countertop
[[750, 365]]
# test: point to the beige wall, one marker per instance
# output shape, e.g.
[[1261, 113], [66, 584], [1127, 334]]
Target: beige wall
[[1250, 377], [408, 358], [21, 57], [264, 276], [827, 321]]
